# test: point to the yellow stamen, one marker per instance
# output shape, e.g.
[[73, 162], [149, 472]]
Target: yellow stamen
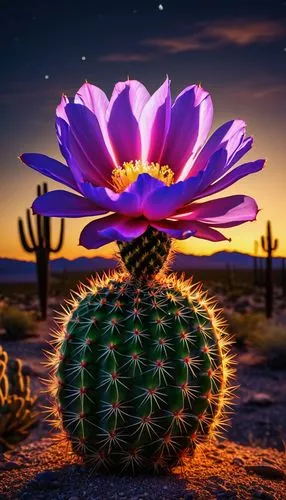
[[128, 173]]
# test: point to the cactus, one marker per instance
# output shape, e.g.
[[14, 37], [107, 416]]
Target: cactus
[[283, 277], [140, 370], [261, 271], [17, 414], [42, 247], [255, 266], [146, 255], [269, 246], [229, 276]]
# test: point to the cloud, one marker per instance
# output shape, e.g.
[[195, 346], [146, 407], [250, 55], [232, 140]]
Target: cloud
[[209, 36], [122, 57], [254, 92]]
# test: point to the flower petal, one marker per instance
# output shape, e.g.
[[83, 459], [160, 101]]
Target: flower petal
[[125, 230], [138, 96], [124, 203], [215, 165], [228, 210], [191, 120], [124, 109], [64, 204], [130, 202], [62, 131], [235, 175], [50, 167], [97, 102], [182, 230], [244, 147], [142, 188], [86, 144], [60, 110], [163, 202], [94, 99], [113, 227], [221, 138], [154, 123]]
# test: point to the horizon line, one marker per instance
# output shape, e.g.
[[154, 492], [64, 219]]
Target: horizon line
[[115, 258]]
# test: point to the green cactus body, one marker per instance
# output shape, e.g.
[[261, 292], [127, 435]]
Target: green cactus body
[[141, 371], [17, 414], [146, 255]]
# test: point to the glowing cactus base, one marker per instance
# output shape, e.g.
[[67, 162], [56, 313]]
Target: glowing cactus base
[[140, 372]]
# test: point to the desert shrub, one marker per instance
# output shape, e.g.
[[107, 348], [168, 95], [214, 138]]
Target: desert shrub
[[17, 324], [270, 338], [235, 294], [243, 326], [266, 335]]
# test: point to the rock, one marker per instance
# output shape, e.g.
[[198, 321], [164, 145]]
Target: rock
[[260, 399], [190, 495], [9, 465], [268, 460], [47, 476], [224, 494], [266, 471], [238, 461], [258, 493], [221, 446]]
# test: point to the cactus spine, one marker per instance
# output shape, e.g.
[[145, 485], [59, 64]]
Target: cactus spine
[[42, 247], [17, 414], [269, 246], [140, 370]]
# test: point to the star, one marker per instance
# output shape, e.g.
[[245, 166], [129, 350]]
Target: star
[[160, 6], [47, 77], [83, 58]]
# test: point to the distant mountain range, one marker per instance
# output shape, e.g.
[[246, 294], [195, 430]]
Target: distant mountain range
[[13, 270]]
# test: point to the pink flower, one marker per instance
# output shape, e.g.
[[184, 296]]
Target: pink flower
[[147, 161]]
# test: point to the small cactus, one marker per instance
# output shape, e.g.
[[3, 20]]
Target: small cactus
[[17, 414], [269, 246], [41, 245], [140, 373]]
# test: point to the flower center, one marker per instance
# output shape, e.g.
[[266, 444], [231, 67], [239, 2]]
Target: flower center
[[129, 172]]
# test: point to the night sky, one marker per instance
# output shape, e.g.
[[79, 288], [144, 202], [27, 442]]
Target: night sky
[[236, 50]]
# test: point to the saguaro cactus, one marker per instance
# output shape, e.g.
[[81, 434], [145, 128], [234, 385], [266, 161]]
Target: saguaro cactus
[[269, 246], [42, 247], [283, 277], [255, 267]]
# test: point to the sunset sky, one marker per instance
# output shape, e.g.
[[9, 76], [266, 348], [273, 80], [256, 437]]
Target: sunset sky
[[236, 50]]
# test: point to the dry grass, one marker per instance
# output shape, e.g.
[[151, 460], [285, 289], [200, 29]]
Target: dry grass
[[17, 324]]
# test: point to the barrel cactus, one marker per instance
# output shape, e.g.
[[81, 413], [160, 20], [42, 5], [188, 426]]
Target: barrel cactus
[[17, 414], [140, 366]]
